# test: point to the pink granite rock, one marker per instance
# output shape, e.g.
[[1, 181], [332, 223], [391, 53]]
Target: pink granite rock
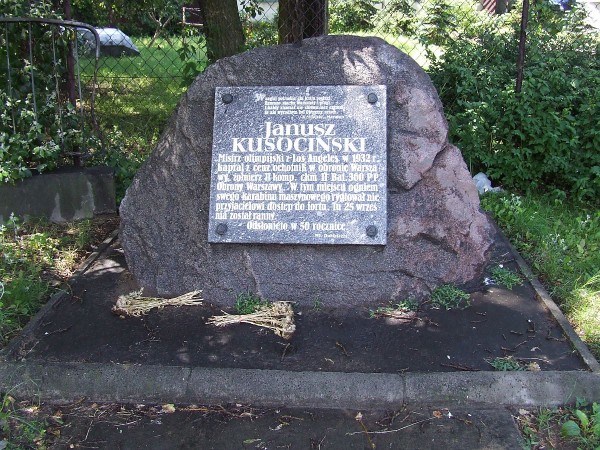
[[436, 232]]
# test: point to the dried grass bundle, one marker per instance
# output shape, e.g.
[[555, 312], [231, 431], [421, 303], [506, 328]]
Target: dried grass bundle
[[134, 304], [276, 316]]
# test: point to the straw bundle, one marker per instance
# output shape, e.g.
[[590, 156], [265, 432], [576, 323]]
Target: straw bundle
[[134, 304], [277, 316]]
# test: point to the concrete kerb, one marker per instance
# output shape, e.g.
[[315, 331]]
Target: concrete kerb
[[66, 382], [543, 296]]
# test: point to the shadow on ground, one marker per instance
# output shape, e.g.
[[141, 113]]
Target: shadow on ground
[[81, 328]]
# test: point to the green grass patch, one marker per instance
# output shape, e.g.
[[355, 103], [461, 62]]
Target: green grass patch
[[37, 256], [506, 364], [21, 425], [135, 97], [248, 303], [395, 310], [561, 241], [505, 277], [137, 94], [449, 297]]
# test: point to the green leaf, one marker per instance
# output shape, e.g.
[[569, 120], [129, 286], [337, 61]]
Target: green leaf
[[570, 429], [583, 418]]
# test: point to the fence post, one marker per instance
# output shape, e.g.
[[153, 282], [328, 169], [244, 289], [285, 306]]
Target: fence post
[[522, 40], [71, 75]]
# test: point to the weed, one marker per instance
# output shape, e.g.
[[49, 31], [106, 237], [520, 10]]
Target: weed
[[576, 426], [248, 303], [539, 428], [505, 277], [449, 297], [394, 310], [506, 364], [583, 424], [20, 426], [317, 304]]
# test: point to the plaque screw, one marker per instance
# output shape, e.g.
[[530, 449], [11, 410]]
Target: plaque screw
[[372, 231], [227, 98], [372, 98], [221, 229]]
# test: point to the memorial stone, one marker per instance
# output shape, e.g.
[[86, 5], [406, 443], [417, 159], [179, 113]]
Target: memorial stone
[[435, 233]]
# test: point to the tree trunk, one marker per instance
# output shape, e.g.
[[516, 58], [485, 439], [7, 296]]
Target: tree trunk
[[223, 28], [300, 19]]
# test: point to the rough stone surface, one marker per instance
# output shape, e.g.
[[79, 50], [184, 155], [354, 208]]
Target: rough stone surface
[[436, 232]]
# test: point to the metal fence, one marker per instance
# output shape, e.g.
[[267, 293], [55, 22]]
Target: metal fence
[[133, 83], [138, 92], [43, 93]]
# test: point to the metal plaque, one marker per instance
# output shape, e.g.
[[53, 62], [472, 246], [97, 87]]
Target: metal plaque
[[299, 165]]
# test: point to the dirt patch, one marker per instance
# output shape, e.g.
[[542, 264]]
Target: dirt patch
[[499, 323], [91, 425]]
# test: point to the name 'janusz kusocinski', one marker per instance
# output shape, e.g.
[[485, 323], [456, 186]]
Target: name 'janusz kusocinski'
[[307, 138]]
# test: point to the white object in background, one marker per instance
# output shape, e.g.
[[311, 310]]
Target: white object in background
[[483, 184]]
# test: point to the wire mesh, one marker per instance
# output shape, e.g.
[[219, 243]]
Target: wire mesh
[[41, 127], [141, 80], [470, 48]]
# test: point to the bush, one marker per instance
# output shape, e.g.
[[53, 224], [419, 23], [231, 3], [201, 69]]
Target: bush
[[261, 33], [545, 137], [444, 21], [351, 15], [398, 17], [30, 130]]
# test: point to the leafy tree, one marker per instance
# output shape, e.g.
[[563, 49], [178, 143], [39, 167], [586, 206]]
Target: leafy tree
[[351, 15], [544, 138]]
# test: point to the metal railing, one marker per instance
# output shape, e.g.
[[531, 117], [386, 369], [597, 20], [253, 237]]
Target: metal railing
[[42, 69]]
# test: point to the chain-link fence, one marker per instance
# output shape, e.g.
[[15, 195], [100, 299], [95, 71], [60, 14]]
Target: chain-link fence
[[476, 52], [47, 116]]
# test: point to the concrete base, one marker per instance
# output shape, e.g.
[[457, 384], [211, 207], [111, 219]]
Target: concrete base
[[63, 195]]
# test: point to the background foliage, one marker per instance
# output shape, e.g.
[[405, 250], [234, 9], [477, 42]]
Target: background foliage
[[544, 138]]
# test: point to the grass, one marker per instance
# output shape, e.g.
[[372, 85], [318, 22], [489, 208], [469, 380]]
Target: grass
[[449, 297], [20, 425], [37, 258], [505, 277], [576, 426], [395, 310], [137, 94], [249, 303], [135, 97], [506, 364], [561, 241]]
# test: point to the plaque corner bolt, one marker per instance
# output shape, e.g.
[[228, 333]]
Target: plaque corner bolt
[[221, 229], [372, 98], [227, 98], [371, 231]]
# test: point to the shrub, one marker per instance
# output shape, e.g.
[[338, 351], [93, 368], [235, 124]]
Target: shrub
[[351, 15], [38, 129], [545, 137], [261, 33], [398, 17], [444, 21]]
